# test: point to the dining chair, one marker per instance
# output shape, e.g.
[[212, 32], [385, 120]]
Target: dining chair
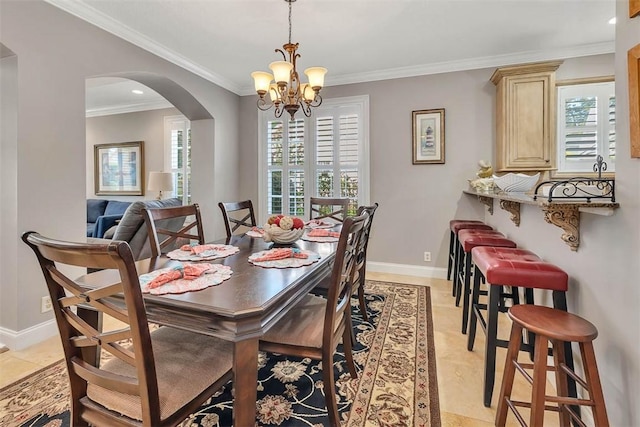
[[314, 327], [169, 228], [238, 209], [361, 264], [328, 207], [147, 378]]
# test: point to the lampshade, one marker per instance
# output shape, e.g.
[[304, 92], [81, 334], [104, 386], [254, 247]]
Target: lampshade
[[281, 70], [261, 80], [160, 181], [316, 76]]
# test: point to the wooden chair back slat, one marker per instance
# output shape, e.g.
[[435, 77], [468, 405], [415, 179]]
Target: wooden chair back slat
[[81, 342], [233, 222], [162, 238], [335, 209]]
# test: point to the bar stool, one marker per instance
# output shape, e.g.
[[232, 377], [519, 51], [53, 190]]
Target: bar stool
[[456, 225], [559, 327], [468, 240], [502, 267]]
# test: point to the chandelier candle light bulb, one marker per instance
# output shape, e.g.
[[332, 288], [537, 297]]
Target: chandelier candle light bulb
[[288, 93]]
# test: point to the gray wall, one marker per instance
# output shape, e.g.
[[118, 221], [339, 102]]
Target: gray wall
[[55, 54], [416, 202], [147, 126]]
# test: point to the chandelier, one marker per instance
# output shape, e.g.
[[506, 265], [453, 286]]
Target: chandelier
[[288, 93]]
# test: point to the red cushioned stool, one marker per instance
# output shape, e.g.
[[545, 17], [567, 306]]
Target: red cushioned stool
[[501, 267], [456, 225], [458, 266], [470, 239]]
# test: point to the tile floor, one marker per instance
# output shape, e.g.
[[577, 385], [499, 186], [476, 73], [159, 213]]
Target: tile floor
[[459, 371]]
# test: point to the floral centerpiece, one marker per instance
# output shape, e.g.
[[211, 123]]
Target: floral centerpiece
[[283, 229]]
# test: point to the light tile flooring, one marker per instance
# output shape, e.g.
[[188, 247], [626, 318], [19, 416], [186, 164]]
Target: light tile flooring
[[459, 371]]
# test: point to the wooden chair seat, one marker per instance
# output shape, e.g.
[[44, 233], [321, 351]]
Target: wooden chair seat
[[183, 369]]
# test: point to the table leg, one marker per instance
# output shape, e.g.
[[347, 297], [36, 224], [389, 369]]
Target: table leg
[[245, 381]]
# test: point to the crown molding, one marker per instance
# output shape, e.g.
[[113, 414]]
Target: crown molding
[[464, 65], [100, 20], [128, 108]]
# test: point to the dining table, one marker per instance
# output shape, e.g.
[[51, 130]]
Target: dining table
[[240, 309]]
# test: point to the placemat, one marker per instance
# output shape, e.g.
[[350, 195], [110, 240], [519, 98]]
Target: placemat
[[286, 262], [216, 275], [217, 251]]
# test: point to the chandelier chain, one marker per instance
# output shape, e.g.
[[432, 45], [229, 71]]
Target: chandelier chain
[[289, 21]]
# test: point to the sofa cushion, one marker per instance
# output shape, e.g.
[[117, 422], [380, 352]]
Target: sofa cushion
[[90, 227], [116, 207], [95, 208], [131, 227]]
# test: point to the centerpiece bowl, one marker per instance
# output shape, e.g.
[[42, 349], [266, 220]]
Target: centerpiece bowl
[[283, 229]]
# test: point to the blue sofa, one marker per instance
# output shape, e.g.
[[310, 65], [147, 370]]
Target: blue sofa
[[102, 214]]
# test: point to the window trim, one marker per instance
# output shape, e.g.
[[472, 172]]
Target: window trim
[[557, 174], [168, 127], [359, 101]]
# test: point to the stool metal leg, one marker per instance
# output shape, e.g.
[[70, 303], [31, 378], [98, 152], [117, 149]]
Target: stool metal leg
[[475, 301], [509, 373], [490, 343], [460, 262]]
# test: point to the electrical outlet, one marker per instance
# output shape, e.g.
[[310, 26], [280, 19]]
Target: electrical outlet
[[45, 305], [427, 256]]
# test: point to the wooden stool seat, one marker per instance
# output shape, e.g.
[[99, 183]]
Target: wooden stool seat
[[560, 328]]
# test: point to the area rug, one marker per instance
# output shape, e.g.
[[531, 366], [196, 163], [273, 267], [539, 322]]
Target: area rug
[[396, 383]]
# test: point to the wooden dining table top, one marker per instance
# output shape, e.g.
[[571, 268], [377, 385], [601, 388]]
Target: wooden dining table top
[[244, 305]]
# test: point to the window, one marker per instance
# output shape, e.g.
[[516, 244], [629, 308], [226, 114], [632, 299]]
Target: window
[[325, 155], [177, 158], [586, 126]]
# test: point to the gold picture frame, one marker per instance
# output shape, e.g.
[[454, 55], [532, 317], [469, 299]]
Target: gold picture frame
[[119, 169], [633, 58], [428, 136]]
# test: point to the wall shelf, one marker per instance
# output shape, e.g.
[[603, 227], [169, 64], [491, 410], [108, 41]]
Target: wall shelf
[[563, 214]]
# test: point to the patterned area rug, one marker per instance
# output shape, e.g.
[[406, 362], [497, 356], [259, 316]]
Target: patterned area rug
[[396, 383]]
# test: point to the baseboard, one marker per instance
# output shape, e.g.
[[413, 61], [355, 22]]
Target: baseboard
[[28, 337], [407, 270]]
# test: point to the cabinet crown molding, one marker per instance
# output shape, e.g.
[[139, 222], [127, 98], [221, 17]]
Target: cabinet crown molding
[[515, 70]]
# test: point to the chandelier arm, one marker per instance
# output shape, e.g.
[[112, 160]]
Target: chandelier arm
[[264, 105], [317, 100], [305, 107], [282, 53]]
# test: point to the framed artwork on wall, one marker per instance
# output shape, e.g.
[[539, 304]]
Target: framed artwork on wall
[[119, 169], [633, 58], [428, 136], [634, 8]]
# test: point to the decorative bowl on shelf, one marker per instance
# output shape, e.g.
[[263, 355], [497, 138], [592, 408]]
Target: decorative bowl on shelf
[[516, 182], [283, 229]]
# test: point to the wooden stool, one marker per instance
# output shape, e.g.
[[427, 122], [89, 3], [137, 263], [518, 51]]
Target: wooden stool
[[502, 267], [470, 239], [559, 327], [456, 225]]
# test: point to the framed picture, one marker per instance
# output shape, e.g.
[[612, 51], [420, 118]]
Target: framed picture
[[633, 58], [634, 8], [119, 169], [428, 136]]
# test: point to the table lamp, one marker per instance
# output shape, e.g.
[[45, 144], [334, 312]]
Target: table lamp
[[160, 181]]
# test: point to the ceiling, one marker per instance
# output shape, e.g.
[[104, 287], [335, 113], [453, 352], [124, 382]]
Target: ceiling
[[357, 40]]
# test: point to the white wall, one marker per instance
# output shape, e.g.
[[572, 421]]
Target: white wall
[[56, 53]]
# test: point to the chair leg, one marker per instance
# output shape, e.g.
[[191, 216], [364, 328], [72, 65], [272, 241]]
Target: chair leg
[[561, 382], [595, 388], [539, 381], [363, 304], [466, 292], [347, 345], [508, 376], [490, 343], [473, 319], [328, 379], [451, 254], [560, 302]]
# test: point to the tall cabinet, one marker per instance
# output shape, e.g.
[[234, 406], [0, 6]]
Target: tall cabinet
[[526, 117]]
